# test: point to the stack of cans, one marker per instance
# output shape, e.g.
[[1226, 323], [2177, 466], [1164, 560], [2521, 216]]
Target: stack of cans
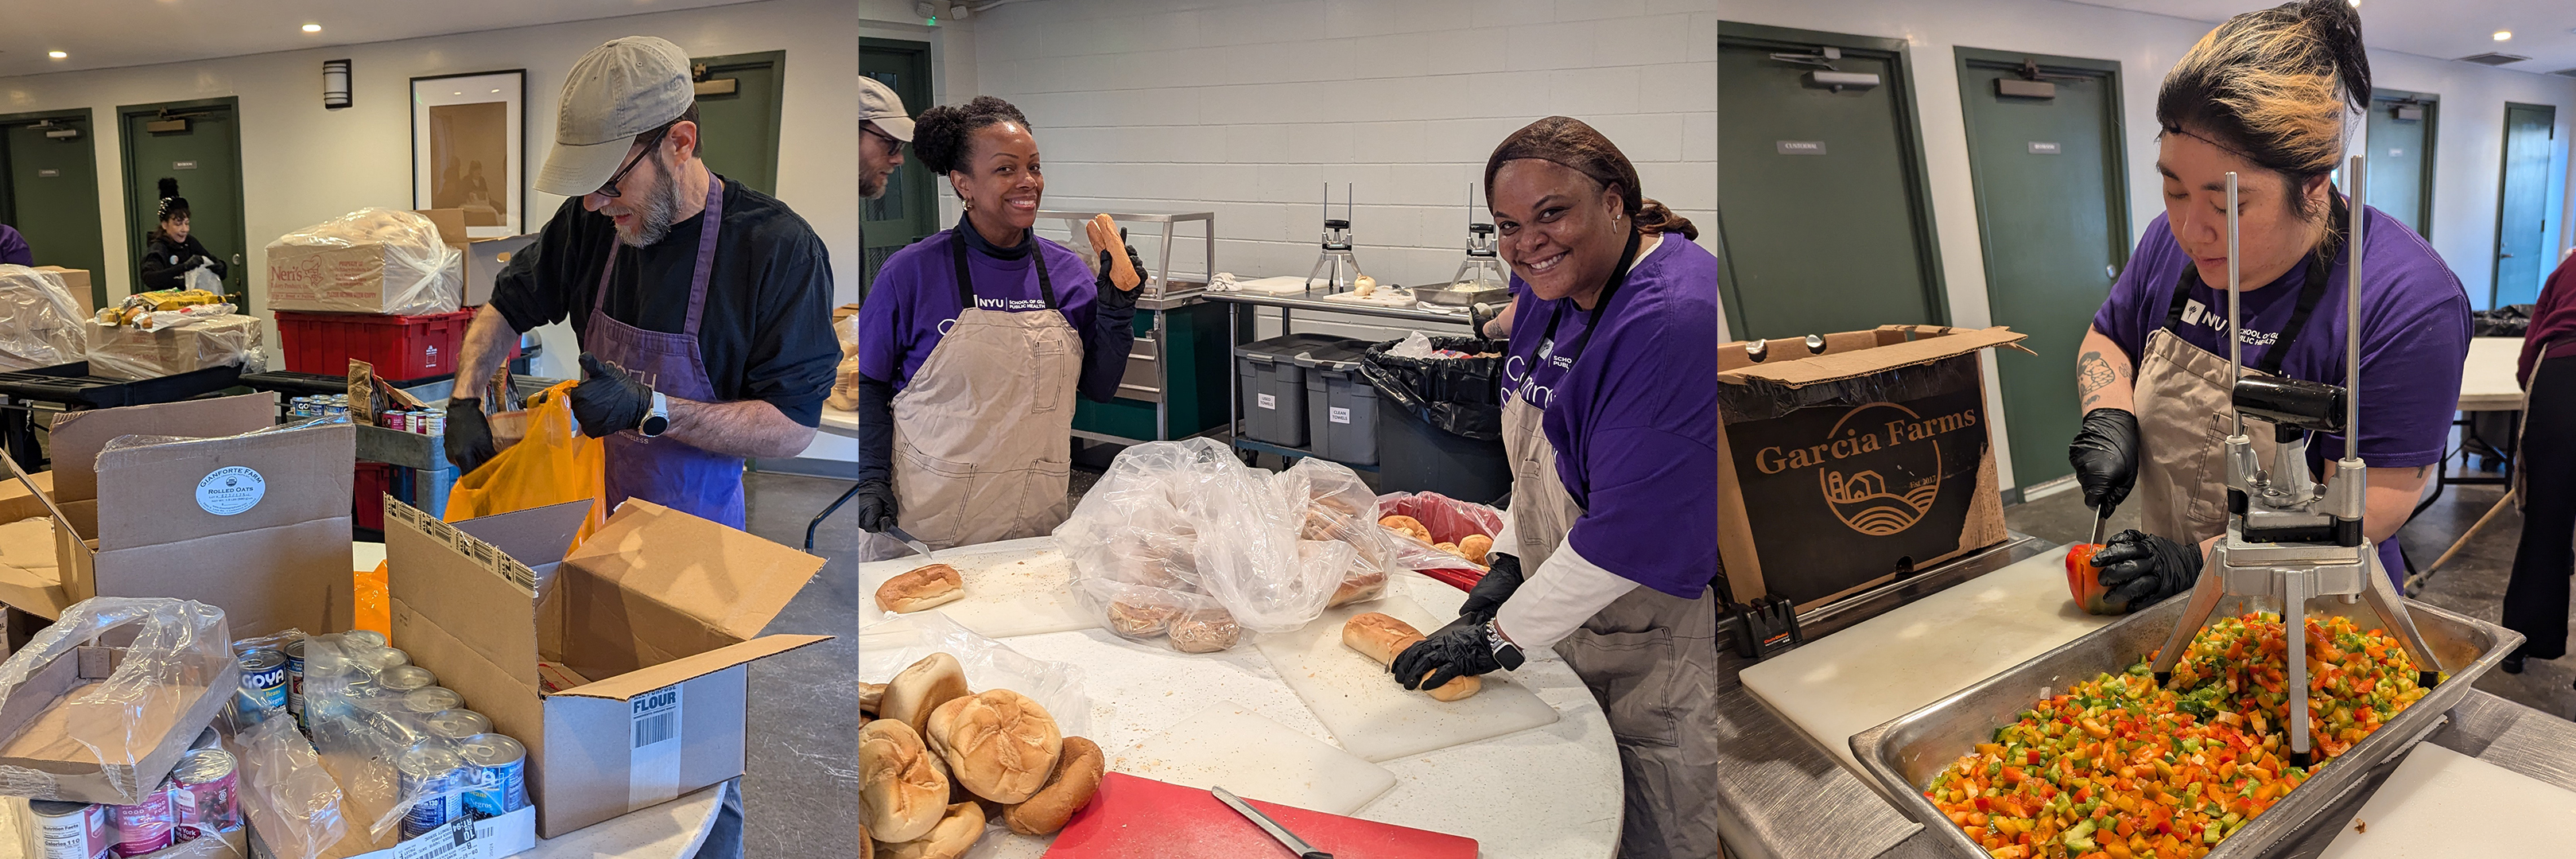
[[452, 765], [200, 798], [418, 421]]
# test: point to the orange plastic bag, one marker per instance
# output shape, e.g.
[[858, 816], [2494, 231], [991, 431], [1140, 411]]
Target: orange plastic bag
[[373, 613], [553, 464]]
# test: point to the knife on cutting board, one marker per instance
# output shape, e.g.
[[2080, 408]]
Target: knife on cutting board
[[1286, 839]]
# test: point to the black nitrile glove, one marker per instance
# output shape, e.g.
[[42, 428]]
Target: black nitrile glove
[[1111, 297], [1457, 650], [876, 506], [608, 401], [469, 436], [2105, 455], [1502, 577], [2141, 569]]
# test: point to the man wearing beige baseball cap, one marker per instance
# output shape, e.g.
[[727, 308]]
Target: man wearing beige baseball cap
[[703, 307], [883, 130]]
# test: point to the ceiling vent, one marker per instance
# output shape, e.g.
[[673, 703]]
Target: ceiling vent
[[2493, 59]]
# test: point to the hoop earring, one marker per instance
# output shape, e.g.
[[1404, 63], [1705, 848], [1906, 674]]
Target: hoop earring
[[965, 205]]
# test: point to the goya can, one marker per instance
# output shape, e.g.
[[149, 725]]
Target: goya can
[[143, 827], [430, 772], [69, 830], [263, 673], [204, 792], [424, 702], [456, 725], [499, 767], [294, 651], [403, 679]]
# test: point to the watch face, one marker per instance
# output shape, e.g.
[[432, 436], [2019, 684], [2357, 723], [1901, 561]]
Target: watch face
[[654, 425]]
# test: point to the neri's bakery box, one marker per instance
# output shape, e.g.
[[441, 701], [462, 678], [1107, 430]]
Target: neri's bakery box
[[621, 663], [1841, 468], [233, 512]]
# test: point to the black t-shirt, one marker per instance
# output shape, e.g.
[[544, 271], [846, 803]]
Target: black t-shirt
[[766, 333]]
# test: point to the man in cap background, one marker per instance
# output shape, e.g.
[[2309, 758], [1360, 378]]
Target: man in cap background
[[703, 307], [884, 128]]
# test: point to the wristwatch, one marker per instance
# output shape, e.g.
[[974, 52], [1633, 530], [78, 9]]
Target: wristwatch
[[1506, 654], [657, 420]]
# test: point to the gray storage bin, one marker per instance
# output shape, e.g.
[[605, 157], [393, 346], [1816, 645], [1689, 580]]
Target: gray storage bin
[[1341, 406], [1272, 386]]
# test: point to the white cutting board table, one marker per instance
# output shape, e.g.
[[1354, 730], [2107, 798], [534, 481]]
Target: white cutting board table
[[1013, 587], [1350, 693], [1893, 664], [2440, 804], [1230, 746]]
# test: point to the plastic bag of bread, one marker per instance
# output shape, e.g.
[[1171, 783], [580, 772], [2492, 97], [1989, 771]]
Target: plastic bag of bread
[[321, 266], [845, 378], [888, 649], [40, 324], [1434, 519]]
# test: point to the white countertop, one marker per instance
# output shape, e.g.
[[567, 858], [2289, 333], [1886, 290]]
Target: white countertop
[[1551, 792], [2486, 382]]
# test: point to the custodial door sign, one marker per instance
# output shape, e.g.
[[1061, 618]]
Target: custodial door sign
[[230, 490]]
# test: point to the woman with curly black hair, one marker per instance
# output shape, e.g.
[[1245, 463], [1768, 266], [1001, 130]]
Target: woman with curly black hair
[[169, 253], [974, 341]]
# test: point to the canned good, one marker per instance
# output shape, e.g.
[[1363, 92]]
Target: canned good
[[378, 660], [403, 679], [143, 827], [69, 830], [363, 639], [294, 651], [499, 767], [425, 771], [456, 725], [203, 791], [437, 424], [335, 410], [423, 702], [263, 673]]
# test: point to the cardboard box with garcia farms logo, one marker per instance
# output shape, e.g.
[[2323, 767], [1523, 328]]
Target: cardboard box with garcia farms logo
[[1842, 467]]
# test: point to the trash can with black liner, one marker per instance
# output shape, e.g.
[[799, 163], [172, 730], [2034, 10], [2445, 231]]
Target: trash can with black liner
[[1440, 420]]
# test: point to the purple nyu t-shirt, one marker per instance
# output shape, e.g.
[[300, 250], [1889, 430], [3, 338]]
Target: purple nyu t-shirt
[[2414, 335], [1633, 417], [914, 300]]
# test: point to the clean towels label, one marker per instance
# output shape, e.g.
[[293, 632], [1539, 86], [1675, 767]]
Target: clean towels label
[[653, 764], [1337, 414], [1267, 401], [231, 489]]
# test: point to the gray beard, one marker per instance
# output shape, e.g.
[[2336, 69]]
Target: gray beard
[[654, 217], [872, 186]]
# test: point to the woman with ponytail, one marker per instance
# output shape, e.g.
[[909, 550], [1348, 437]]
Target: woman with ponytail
[[2275, 96], [169, 253]]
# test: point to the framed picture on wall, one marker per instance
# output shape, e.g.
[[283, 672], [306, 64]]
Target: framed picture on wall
[[469, 149]]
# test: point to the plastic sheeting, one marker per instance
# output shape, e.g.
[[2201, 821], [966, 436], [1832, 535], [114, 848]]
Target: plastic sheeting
[[172, 342], [40, 324], [174, 650], [888, 648], [845, 381], [419, 273]]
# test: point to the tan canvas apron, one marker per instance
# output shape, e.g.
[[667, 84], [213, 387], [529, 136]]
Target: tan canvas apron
[[2185, 412], [982, 448], [1650, 659]]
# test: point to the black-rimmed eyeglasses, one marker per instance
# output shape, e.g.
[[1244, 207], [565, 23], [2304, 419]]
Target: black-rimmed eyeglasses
[[892, 145], [650, 143]]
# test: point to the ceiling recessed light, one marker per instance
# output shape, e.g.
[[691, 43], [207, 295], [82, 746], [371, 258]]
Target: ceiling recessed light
[[312, 28], [496, 90], [57, 55], [2503, 35]]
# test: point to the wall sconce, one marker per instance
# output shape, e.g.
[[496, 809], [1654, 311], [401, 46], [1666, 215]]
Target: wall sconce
[[335, 84]]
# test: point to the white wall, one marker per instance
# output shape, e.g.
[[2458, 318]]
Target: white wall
[[302, 164]]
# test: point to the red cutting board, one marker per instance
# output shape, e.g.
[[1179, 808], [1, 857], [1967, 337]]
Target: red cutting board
[[1140, 818]]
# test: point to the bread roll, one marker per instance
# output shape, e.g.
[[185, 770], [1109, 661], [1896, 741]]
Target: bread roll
[[1475, 546], [1205, 631], [867, 845], [999, 744], [1407, 526], [899, 787], [1138, 621], [937, 584], [1382, 638], [951, 838], [1076, 778], [1359, 587], [1451, 548], [911, 695], [871, 697]]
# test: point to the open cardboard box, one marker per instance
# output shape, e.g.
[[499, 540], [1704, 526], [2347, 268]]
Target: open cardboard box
[[257, 525], [31, 579], [649, 628], [1869, 458], [37, 720]]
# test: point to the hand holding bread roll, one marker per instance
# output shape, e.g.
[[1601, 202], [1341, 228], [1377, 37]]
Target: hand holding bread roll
[[1076, 778], [1382, 638], [933, 585]]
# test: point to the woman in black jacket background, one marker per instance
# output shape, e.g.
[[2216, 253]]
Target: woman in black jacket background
[[170, 252]]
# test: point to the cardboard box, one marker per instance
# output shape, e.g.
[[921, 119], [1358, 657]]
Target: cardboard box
[[126, 352], [661, 612], [1840, 470], [77, 279], [36, 720], [350, 278], [31, 578], [484, 260], [257, 525], [492, 838]]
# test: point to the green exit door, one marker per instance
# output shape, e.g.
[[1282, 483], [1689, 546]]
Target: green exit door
[[2522, 207], [2401, 156], [909, 210], [2045, 150], [1823, 218], [738, 115], [49, 190], [199, 144]]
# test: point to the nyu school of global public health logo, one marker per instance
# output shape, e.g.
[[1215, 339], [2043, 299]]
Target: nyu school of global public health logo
[[1879, 468]]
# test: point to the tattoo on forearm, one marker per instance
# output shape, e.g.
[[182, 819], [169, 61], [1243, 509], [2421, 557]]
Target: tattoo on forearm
[[2092, 374]]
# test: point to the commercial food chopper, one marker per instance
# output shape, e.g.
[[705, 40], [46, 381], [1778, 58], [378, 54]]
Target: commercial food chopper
[[1336, 270], [1480, 277], [2289, 539]]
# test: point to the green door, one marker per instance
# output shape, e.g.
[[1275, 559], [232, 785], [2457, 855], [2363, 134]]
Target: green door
[[2522, 216], [49, 190], [2054, 217], [738, 114], [909, 211], [203, 152], [2401, 156], [1822, 219]]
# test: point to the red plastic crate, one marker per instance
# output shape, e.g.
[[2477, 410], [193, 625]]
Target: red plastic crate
[[402, 348], [367, 500]]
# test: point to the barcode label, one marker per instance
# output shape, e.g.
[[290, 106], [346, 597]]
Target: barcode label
[[1337, 415], [653, 765], [656, 728], [1266, 401]]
